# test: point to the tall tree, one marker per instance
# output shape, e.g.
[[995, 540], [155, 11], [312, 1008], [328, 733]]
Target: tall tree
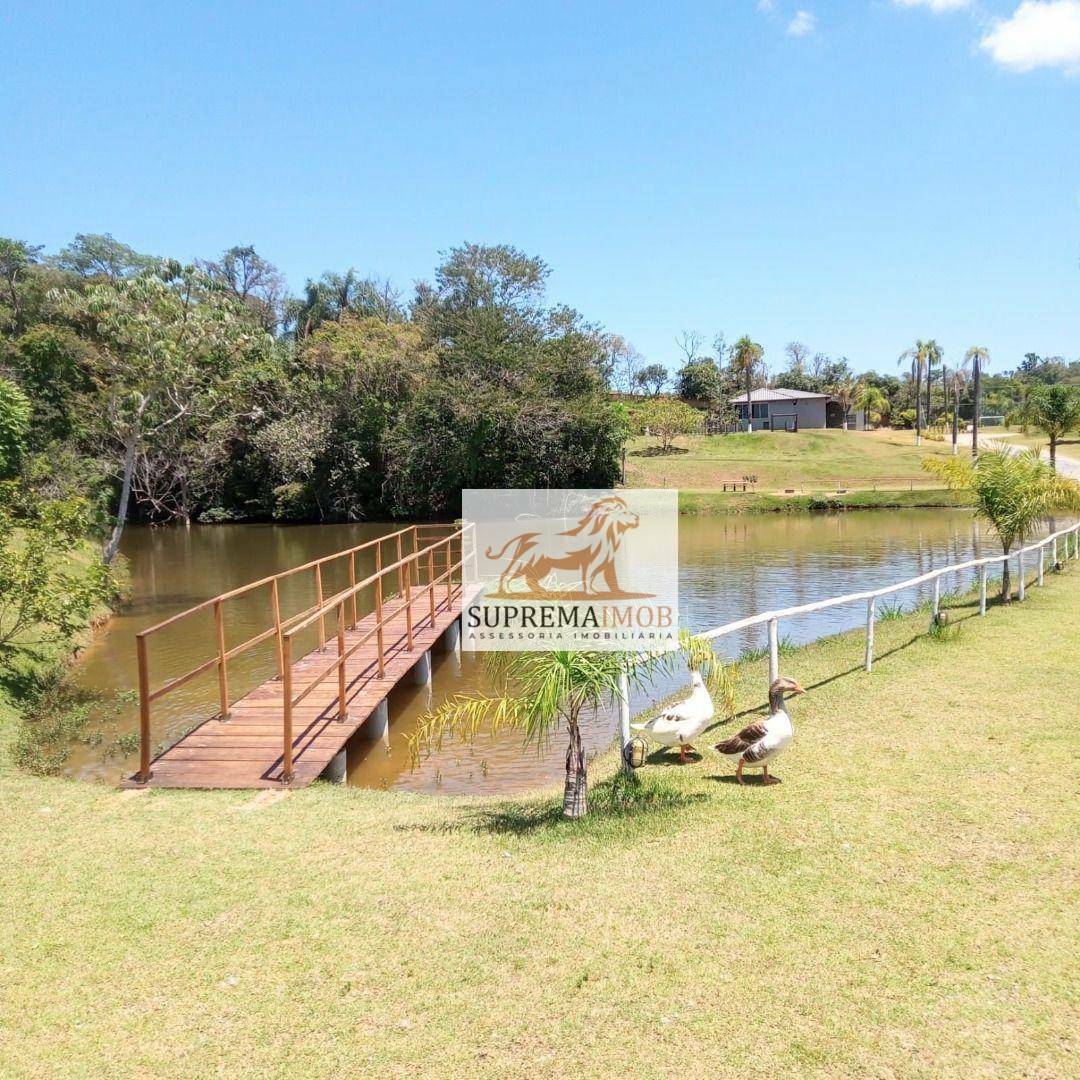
[[746, 360], [16, 259], [256, 283], [690, 342], [977, 357], [653, 378], [160, 341], [934, 358], [100, 255], [919, 358]]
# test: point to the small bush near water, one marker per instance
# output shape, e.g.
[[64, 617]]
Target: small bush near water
[[57, 715]]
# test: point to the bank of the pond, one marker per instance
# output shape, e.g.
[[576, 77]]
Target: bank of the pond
[[25, 675], [716, 502], [899, 905]]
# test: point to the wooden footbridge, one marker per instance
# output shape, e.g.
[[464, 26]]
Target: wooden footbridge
[[293, 727]]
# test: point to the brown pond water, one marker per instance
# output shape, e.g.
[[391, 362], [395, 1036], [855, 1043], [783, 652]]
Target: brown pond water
[[729, 567]]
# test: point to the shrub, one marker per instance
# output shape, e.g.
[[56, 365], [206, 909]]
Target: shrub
[[46, 596], [14, 425]]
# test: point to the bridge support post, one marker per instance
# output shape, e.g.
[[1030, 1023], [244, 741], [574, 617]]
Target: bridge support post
[[451, 639], [421, 672], [337, 768], [377, 726]]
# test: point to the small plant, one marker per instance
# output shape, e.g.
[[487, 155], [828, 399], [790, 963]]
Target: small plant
[[891, 611], [752, 656], [942, 630], [55, 717]]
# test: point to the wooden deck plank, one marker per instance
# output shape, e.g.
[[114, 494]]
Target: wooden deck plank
[[244, 750]]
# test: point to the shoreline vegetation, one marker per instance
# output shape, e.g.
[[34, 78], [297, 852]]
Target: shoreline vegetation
[[957, 842]]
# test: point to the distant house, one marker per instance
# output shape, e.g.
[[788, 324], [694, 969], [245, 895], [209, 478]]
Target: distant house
[[779, 409]]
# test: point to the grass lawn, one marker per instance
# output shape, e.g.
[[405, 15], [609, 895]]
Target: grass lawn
[[1036, 440], [806, 461], [902, 904]]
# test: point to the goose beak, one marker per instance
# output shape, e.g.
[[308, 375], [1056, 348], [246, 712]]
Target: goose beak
[[798, 689]]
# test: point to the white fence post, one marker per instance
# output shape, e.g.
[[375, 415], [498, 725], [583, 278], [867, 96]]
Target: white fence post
[[1042, 563], [624, 719], [937, 599], [1053, 554], [982, 589], [774, 651], [870, 605]]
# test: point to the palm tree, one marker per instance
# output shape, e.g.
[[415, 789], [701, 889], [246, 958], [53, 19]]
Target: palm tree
[[958, 380], [919, 356], [1056, 411], [934, 354], [1015, 493], [746, 356], [873, 401], [536, 692], [845, 390], [976, 357]]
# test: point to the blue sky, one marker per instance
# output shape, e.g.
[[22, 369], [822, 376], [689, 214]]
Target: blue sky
[[853, 173]]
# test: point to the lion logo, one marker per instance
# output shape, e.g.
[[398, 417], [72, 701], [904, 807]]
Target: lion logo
[[588, 549]]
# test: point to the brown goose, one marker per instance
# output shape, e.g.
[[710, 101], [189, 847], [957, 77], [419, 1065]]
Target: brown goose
[[758, 743]]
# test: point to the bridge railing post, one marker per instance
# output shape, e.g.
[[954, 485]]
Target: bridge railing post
[[378, 613], [319, 603], [449, 572], [144, 710], [352, 585], [401, 568], [408, 607], [286, 713], [222, 663], [275, 603], [431, 584], [341, 660]]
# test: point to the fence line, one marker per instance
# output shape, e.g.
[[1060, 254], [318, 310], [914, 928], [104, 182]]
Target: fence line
[[1070, 538]]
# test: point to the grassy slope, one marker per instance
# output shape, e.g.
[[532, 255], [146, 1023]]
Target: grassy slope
[[902, 904], [809, 460]]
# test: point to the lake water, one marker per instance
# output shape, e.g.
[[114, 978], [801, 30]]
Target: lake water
[[730, 567]]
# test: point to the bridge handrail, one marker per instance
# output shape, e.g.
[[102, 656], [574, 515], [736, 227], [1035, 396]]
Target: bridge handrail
[[278, 628], [337, 605]]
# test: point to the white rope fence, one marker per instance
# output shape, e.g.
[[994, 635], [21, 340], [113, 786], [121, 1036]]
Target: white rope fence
[[1070, 542]]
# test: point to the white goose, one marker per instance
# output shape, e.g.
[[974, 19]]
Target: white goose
[[758, 743], [682, 722]]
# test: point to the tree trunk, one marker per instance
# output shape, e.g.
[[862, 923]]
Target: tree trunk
[[1006, 583], [977, 373], [113, 546], [575, 793], [1053, 451], [918, 406], [955, 423], [749, 407]]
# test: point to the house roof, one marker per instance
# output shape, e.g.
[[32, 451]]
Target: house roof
[[778, 393]]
